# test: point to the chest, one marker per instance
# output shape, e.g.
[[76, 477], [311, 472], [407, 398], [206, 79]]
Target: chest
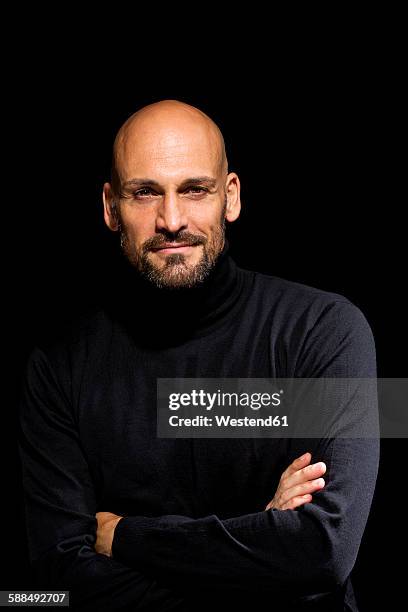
[[135, 471]]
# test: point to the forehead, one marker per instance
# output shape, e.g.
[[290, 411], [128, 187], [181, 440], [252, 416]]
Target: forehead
[[168, 151]]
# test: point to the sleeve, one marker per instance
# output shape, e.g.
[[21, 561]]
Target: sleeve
[[308, 550], [60, 506]]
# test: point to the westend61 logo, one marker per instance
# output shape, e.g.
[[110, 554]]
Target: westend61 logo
[[208, 401], [219, 407], [226, 407]]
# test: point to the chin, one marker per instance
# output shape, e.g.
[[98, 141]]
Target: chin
[[176, 273]]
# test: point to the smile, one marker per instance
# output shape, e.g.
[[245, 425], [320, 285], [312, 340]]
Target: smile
[[179, 248]]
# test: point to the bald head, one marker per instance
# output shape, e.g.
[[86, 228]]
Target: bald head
[[167, 133], [171, 193]]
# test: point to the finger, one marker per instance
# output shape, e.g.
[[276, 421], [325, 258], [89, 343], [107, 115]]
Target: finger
[[295, 502], [303, 489], [310, 472], [297, 464]]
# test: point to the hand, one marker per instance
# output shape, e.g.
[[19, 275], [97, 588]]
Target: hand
[[107, 522], [297, 483]]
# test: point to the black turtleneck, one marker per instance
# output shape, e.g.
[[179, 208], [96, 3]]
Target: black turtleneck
[[175, 315], [194, 531]]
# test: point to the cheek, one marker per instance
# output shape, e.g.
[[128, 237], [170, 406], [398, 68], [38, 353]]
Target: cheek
[[206, 219], [139, 227]]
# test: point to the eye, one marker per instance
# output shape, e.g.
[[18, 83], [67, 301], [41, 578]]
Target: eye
[[142, 192], [195, 189]]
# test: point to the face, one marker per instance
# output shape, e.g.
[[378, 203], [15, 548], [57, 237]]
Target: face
[[173, 202]]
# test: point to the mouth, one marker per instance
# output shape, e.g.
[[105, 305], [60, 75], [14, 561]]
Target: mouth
[[173, 248]]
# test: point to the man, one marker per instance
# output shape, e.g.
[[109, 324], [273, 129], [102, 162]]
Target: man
[[127, 520]]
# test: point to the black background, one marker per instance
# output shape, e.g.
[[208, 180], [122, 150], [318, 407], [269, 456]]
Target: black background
[[317, 147]]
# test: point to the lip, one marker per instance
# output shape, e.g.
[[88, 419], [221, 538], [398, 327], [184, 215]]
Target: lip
[[168, 248]]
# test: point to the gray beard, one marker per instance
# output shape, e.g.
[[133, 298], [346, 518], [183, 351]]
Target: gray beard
[[176, 273]]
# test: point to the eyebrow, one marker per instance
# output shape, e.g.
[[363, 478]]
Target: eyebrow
[[195, 180]]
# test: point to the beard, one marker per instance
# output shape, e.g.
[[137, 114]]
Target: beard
[[176, 272]]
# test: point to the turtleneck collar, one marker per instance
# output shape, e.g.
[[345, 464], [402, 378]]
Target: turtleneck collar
[[167, 317]]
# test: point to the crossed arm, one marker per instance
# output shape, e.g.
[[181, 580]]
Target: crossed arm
[[294, 553], [295, 488]]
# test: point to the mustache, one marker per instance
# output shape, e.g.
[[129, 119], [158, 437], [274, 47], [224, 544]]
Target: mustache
[[185, 237]]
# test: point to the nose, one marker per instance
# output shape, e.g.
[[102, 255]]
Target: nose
[[171, 214]]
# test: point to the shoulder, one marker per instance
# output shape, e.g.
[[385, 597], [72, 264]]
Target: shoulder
[[292, 292], [64, 345], [311, 328], [296, 301]]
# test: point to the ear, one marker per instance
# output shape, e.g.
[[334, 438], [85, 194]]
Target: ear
[[233, 192], [110, 212]]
